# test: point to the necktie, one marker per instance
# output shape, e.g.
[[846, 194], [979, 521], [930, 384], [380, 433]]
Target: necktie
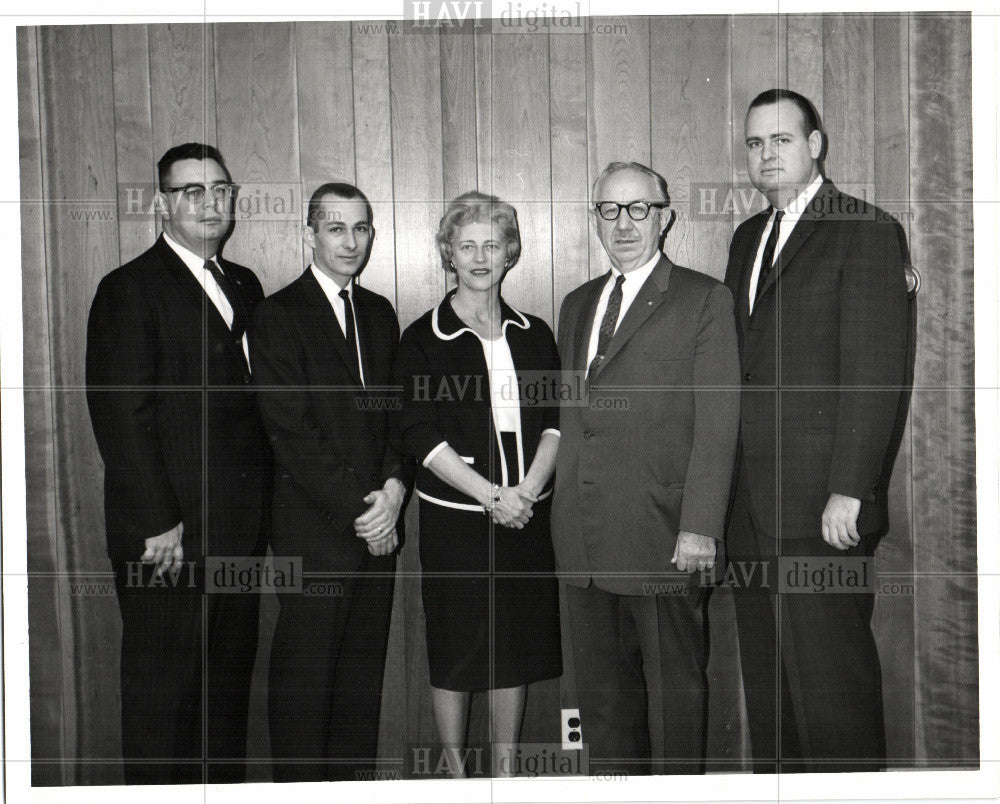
[[231, 291], [350, 332], [767, 258], [608, 324]]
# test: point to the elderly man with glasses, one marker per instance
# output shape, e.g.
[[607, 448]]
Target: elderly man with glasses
[[642, 482], [185, 459]]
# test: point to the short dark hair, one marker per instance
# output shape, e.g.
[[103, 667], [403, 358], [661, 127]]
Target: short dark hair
[[638, 167], [771, 96], [476, 207], [338, 189], [189, 150]]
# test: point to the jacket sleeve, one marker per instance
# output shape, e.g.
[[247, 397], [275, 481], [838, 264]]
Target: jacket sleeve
[[716, 390], [122, 397], [302, 452], [873, 342], [419, 429], [396, 464]]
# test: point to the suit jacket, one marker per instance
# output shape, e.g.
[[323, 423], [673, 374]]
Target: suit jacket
[[824, 364], [175, 419], [651, 452], [446, 396], [331, 437]]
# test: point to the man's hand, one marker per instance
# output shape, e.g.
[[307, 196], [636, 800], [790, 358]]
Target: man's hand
[[840, 521], [165, 550], [380, 518], [693, 552], [385, 545]]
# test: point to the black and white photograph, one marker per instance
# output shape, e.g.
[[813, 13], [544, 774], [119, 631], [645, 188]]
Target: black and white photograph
[[501, 400]]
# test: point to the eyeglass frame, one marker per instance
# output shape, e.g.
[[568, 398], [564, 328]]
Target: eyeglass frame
[[230, 191], [628, 207]]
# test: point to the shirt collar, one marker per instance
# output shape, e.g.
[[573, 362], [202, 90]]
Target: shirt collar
[[447, 325], [800, 203], [329, 287], [188, 257], [638, 276]]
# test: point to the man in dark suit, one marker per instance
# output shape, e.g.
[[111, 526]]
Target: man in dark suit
[[642, 482], [185, 468], [822, 317], [322, 350]]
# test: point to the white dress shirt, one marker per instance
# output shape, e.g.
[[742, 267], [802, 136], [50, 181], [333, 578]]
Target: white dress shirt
[[332, 292], [197, 267], [634, 280], [792, 212]]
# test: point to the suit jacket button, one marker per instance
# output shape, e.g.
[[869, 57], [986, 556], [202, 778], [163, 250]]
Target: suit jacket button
[[587, 434], [747, 377], [246, 377]]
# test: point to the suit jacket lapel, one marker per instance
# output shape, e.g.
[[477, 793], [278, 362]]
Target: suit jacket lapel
[[190, 286], [585, 324], [329, 323], [804, 228], [649, 298], [743, 302]]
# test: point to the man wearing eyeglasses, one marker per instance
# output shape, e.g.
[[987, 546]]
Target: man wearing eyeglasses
[[185, 464], [642, 482]]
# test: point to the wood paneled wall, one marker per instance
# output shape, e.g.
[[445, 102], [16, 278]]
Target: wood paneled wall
[[415, 119]]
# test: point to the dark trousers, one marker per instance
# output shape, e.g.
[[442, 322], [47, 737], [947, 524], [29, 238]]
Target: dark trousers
[[186, 664], [327, 665], [811, 673], [640, 678]]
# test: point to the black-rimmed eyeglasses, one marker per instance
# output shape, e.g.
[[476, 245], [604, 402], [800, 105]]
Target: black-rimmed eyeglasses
[[637, 210], [195, 193]]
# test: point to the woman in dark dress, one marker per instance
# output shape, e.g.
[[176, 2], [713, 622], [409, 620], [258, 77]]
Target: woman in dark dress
[[485, 461]]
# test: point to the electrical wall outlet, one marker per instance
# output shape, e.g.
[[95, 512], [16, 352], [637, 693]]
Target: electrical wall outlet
[[572, 735]]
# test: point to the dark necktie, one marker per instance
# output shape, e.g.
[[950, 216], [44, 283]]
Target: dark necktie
[[608, 324], [231, 291], [350, 331], [767, 258]]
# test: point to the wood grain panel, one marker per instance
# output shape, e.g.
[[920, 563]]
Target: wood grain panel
[[458, 113], [521, 163], [81, 244], [893, 621], [942, 414], [805, 57], [618, 86], [690, 72], [568, 149], [182, 86], [134, 157], [255, 85], [418, 187], [373, 152], [849, 101], [618, 90], [324, 78], [758, 62], [49, 614], [483, 53]]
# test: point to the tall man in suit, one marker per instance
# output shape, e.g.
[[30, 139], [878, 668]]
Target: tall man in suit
[[821, 305], [185, 469], [322, 350], [642, 481]]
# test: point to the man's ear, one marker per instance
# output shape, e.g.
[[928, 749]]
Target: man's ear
[[815, 144], [161, 204], [308, 236]]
